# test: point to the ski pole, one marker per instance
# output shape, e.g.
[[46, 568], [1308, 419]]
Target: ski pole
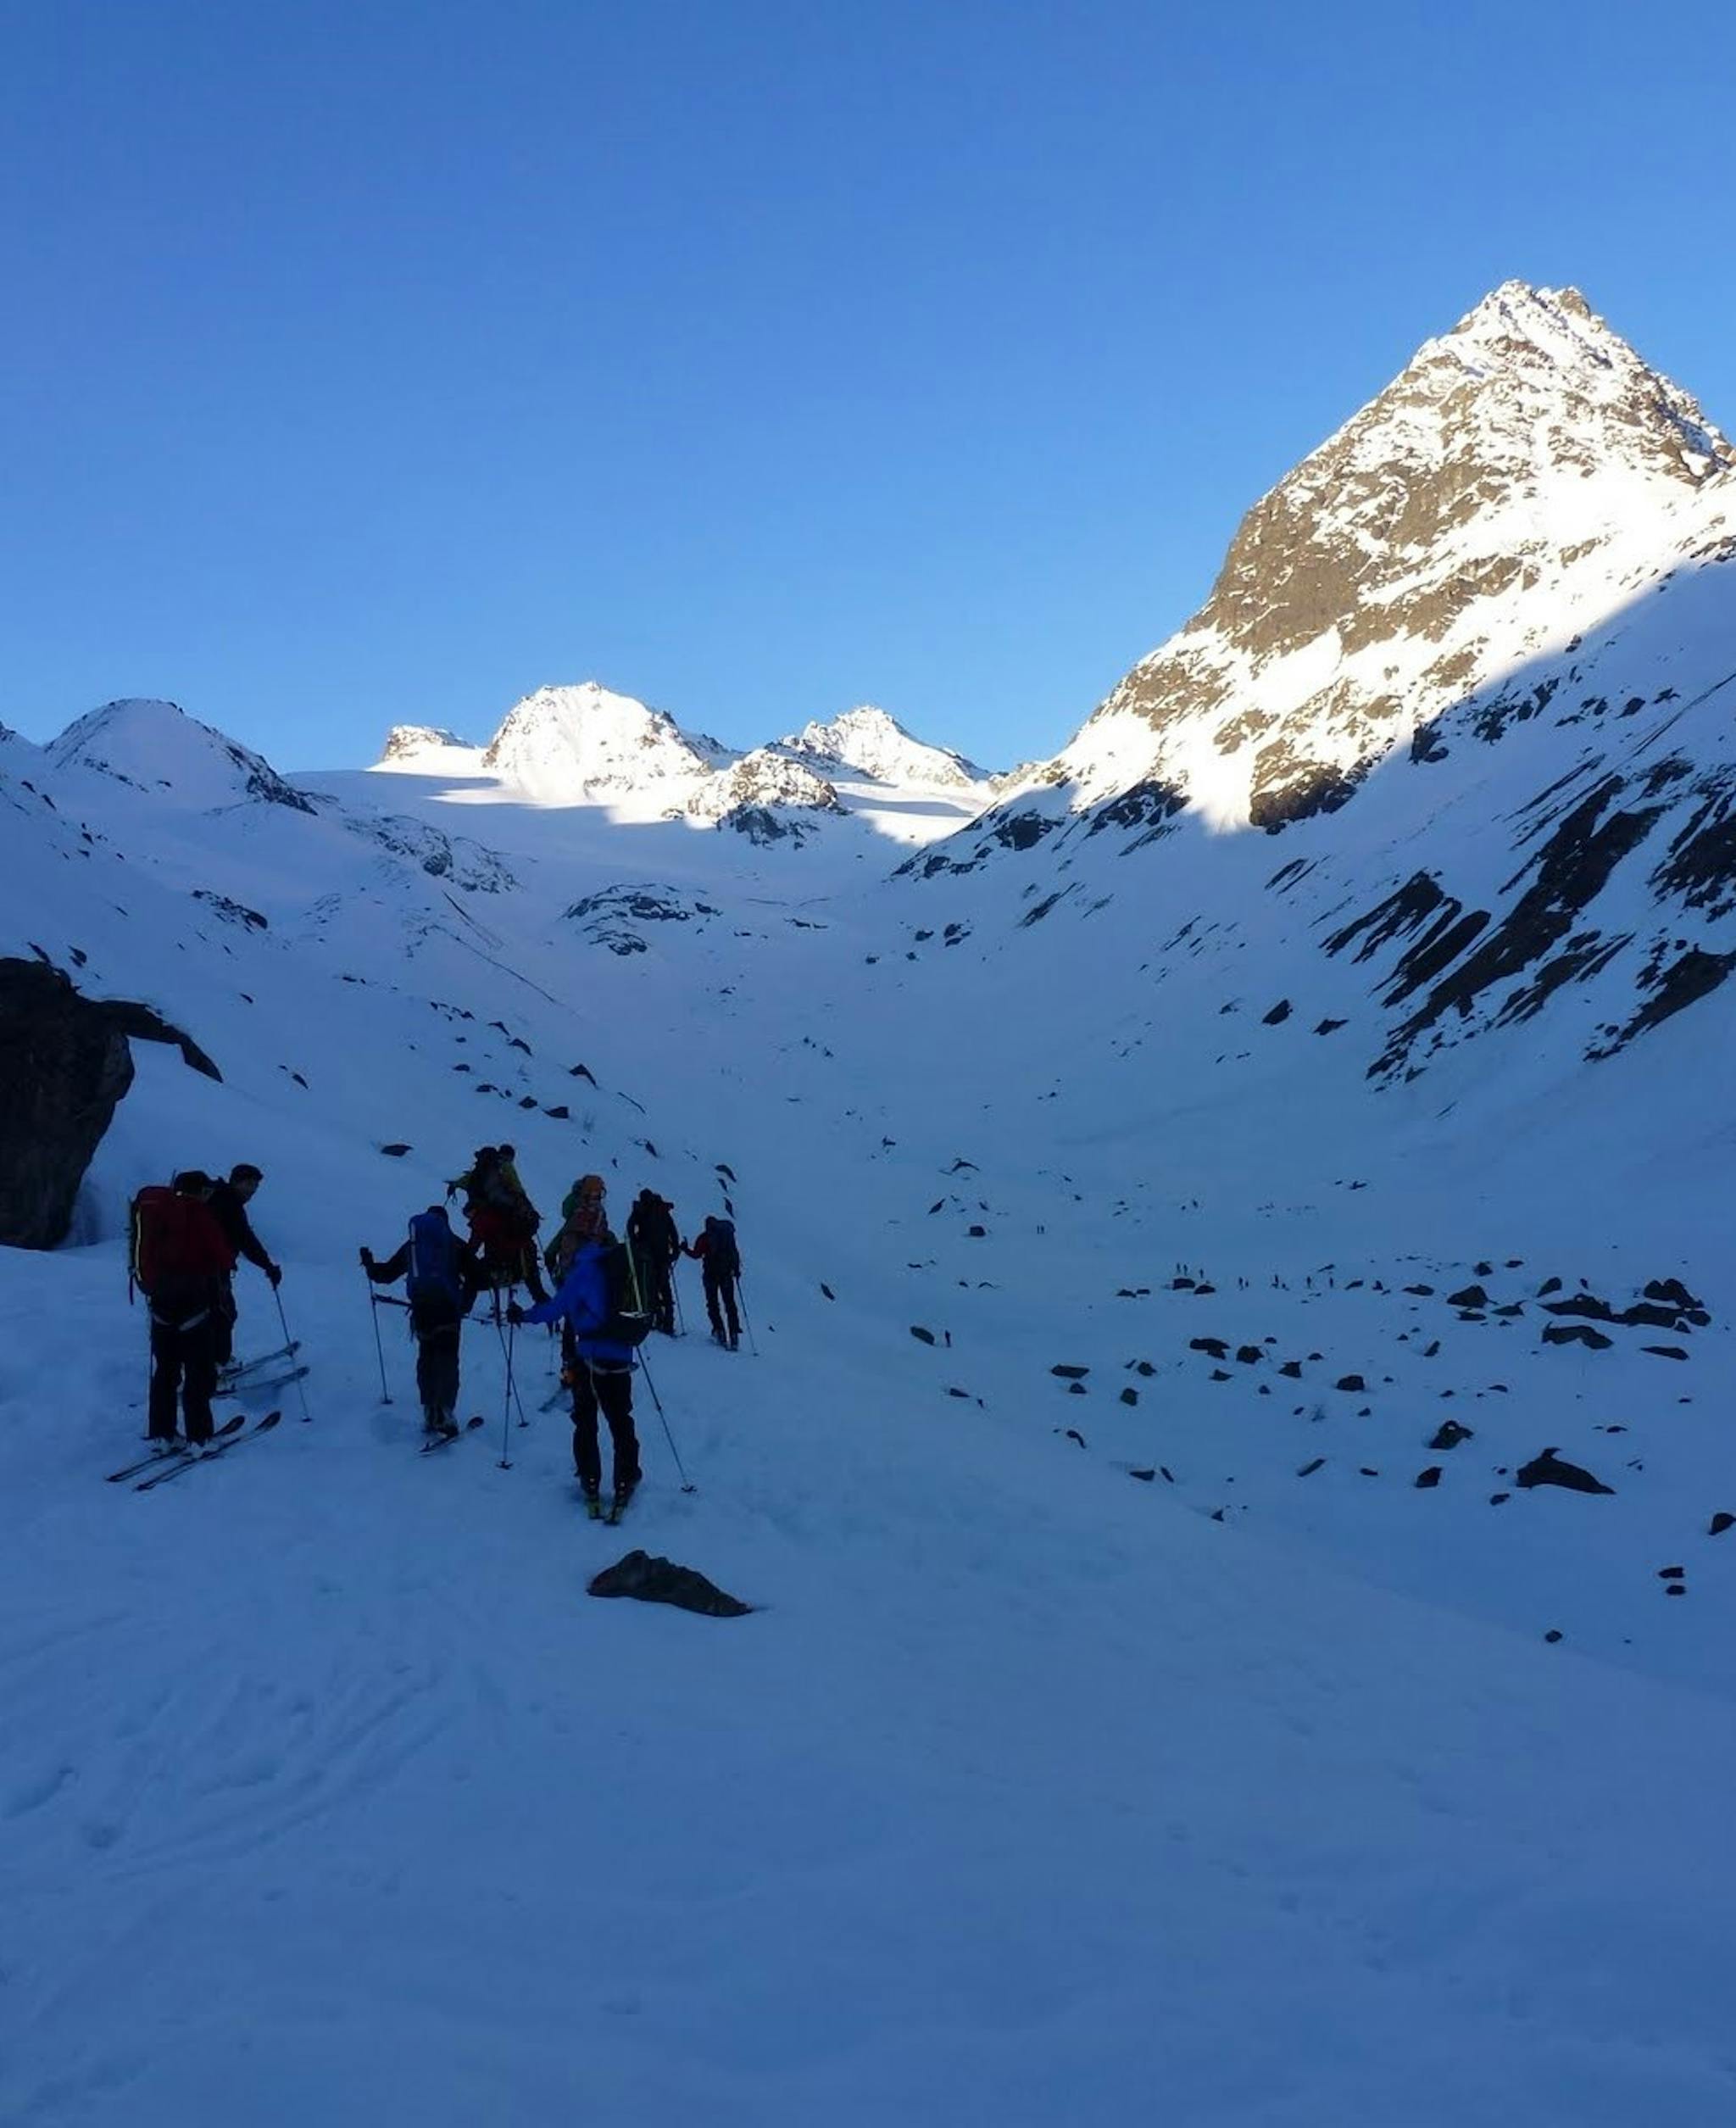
[[747, 1320], [506, 1401], [663, 1415], [675, 1294], [506, 1349], [307, 1416], [379, 1349]]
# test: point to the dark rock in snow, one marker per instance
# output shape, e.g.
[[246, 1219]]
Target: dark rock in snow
[[1130, 1397], [1672, 1293], [1292, 1370], [1221, 1374], [1550, 1469], [828, 1290], [1552, 1634], [1576, 1333], [1071, 1374], [1468, 1296], [1279, 1013], [1353, 1382], [1073, 1434], [653, 1580], [1249, 1354], [1449, 1434], [1720, 1523], [1665, 1351], [1308, 1469], [1215, 1345], [1144, 1476], [1427, 1479], [394, 1152], [1077, 1389], [917, 1331]]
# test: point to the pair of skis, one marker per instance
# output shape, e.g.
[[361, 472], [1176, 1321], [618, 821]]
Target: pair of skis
[[227, 1438], [254, 1378], [438, 1441]]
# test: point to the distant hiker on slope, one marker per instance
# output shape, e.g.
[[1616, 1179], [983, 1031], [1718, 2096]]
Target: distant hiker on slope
[[441, 1277], [503, 1220], [720, 1266], [180, 1262], [597, 1300], [656, 1247], [228, 1202]]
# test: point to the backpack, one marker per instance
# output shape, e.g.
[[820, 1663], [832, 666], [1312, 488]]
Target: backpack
[[174, 1245], [722, 1257], [433, 1272], [627, 1322]]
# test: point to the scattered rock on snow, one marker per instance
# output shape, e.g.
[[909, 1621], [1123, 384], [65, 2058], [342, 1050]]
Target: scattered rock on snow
[[1551, 1470]]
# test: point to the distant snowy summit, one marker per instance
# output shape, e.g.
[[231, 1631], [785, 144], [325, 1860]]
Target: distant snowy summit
[[588, 745], [158, 749], [873, 744]]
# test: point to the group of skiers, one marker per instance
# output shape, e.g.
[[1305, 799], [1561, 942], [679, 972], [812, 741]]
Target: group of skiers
[[186, 1239], [610, 1295]]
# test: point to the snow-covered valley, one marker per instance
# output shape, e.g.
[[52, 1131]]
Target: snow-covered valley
[[1179, 1270]]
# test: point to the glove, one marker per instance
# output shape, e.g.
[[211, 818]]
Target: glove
[[515, 1314], [274, 1271], [367, 1260]]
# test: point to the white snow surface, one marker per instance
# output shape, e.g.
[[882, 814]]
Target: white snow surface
[[1136, 1741]]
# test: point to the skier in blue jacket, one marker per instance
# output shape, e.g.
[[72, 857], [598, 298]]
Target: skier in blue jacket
[[602, 1374]]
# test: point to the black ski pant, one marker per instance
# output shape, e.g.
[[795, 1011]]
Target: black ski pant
[[658, 1291], [436, 1325], [599, 1386], [184, 1370], [722, 1291], [223, 1315]]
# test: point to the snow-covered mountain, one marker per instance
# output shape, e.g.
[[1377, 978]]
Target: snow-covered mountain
[[873, 743], [570, 745], [588, 746], [156, 747], [1491, 621]]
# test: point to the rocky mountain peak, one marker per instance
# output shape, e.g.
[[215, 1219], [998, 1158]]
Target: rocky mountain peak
[[1517, 474], [407, 742]]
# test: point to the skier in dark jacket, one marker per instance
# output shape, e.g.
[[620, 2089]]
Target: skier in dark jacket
[[720, 1263], [228, 1202], [442, 1276], [181, 1259], [602, 1374], [656, 1247]]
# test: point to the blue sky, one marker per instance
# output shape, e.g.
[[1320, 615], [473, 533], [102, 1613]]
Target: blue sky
[[376, 364]]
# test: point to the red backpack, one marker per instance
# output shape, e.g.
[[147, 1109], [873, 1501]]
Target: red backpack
[[177, 1247]]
